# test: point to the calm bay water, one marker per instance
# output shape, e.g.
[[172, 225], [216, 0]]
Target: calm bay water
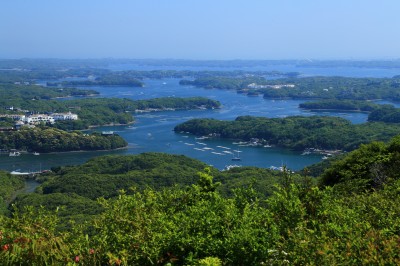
[[153, 132]]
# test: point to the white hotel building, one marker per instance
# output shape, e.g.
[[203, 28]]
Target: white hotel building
[[42, 118], [64, 116], [39, 118]]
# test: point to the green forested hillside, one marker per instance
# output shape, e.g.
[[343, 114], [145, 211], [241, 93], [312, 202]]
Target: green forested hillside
[[294, 132], [299, 224], [351, 217], [105, 176], [8, 185], [369, 167], [76, 188]]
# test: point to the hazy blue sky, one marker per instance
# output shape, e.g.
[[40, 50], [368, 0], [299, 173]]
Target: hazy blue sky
[[200, 29]]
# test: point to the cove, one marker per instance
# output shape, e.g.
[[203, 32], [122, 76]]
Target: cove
[[153, 132]]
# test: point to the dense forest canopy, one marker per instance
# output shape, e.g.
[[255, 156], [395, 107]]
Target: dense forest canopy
[[294, 132], [55, 140], [342, 105], [195, 224], [30, 92], [377, 112], [8, 186]]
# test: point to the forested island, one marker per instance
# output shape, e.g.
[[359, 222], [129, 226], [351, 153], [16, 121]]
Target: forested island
[[55, 140], [111, 79], [307, 87], [91, 112], [296, 132], [9, 93], [377, 112], [105, 111], [350, 214], [337, 88], [340, 105], [65, 73]]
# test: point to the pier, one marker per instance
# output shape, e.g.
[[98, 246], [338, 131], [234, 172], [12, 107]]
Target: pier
[[28, 174]]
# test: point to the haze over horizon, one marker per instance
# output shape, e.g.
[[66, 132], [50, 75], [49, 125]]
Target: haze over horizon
[[201, 30]]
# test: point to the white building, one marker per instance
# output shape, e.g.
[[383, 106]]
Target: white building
[[39, 118], [65, 116]]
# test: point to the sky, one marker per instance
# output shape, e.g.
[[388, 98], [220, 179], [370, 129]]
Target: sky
[[200, 29]]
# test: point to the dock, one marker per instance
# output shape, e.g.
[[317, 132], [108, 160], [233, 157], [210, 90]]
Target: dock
[[30, 174]]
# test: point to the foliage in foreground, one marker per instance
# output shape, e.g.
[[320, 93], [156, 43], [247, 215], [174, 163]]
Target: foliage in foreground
[[299, 224], [370, 166], [8, 185]]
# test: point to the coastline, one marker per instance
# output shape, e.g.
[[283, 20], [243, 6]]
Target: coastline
[[81, 151], [336, 110], [59, 152], [108, 125]]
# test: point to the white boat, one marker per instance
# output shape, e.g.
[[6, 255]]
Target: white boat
[[237, 157], [17, 172], [189, 144], [239, 143], [36, 153], [14, 153], [222, 147]]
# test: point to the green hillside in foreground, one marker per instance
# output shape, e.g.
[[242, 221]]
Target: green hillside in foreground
[[349, 215]]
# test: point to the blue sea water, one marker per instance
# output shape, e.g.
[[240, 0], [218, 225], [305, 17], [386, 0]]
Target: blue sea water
[[153, 132]]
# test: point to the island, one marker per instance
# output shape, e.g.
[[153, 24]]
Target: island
[[110, 79], [44, 139], [306, 87], [297, 132], [376, 112], [340, 105]]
